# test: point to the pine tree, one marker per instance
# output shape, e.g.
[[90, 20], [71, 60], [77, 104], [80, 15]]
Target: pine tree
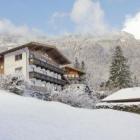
[[76, 64], [135, 82], [83, 65], [120, 76]]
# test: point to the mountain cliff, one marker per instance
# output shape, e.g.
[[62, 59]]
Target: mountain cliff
[[97, 53]]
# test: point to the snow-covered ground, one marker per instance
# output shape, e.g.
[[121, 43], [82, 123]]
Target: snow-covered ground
[[24, 118], [125, 94]]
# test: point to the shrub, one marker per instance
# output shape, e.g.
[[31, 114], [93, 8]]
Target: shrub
[[121, 107], [12, 83], [75, 95]]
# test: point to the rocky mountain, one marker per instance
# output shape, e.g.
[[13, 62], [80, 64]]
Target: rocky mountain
[[95, 51]]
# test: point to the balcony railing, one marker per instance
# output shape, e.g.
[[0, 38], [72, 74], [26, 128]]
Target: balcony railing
[[35, 61], [46, 78]]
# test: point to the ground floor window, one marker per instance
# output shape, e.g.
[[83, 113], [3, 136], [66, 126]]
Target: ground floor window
[[18, 70]]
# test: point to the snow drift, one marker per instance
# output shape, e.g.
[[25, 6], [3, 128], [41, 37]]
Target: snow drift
[[24, 118]]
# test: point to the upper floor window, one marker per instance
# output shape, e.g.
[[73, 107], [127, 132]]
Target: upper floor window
[[18, 57]]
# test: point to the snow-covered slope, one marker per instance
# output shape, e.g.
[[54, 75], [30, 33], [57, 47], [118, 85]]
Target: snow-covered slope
[[125, 94], [23, 118]]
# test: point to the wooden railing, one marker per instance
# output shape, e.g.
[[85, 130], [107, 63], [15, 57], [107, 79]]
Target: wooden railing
[[46, 78], [35, 61]]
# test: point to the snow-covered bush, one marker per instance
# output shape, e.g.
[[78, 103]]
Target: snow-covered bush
[[101, 94], [75, 95], [37, 92], [78, 95], [17, 84], [135, 108], [13, 83]]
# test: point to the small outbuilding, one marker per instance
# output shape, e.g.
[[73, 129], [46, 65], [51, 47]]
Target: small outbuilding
[[124, 95]]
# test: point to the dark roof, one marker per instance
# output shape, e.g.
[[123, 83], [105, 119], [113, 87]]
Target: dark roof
[[51, 50]]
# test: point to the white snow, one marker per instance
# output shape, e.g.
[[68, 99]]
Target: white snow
[[24, 118], [128, 93]]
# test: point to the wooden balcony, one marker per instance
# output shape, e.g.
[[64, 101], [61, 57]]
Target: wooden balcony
[[35, 61], [46, 78]]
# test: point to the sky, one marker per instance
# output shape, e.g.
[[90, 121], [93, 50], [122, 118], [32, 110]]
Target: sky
[[60, 17]]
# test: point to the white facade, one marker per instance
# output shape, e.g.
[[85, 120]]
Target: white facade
[[22, 67], [10, 64]]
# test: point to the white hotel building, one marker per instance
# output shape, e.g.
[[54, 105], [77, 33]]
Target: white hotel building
[[39, 63]]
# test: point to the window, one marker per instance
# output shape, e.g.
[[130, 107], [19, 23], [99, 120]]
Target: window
[[18, 57], [18, 70], [1, 67]]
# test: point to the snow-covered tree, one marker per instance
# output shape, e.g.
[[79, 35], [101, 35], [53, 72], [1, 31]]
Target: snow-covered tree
[[135, 82], [83, 65], [120, 76], [76, 63]]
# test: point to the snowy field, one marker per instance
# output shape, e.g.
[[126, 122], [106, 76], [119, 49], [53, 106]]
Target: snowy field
[[23, 118]]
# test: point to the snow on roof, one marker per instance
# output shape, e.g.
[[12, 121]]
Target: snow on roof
[[24, 118], [128, 94]]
